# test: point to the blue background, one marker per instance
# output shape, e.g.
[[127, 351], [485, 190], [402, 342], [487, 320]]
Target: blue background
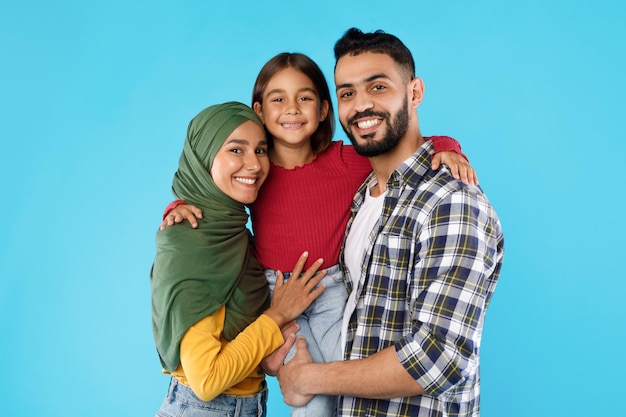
[[95, 98]]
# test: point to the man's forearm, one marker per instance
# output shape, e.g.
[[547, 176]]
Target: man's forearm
[[379, 376]]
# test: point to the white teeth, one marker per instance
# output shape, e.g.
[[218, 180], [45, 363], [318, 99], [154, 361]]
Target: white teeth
[[366, 124], [290, 125], [248, 181]]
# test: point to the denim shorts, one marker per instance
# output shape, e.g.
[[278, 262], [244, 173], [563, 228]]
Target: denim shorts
[[182, 402]]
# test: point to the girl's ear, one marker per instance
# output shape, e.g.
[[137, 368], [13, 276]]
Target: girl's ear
[[258, 109], [323, 110]]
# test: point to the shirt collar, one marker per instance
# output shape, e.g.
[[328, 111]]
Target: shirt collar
[[410, 172]]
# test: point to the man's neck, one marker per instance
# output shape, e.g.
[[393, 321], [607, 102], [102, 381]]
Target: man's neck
[[384, 165]]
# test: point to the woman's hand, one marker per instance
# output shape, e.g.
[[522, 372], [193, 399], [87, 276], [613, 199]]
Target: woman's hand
[[273, 362], [459, 167], [180, 213], [291, 298]]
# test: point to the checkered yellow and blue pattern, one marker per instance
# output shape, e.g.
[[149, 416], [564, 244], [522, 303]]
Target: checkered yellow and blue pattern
[[430, 270]]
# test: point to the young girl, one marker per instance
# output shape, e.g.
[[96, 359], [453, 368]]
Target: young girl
[[306, 200], [212, 320]]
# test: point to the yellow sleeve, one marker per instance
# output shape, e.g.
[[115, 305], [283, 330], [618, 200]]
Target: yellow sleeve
[[211, 365]]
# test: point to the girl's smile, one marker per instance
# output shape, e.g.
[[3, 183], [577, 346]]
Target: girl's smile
[[291, 109]]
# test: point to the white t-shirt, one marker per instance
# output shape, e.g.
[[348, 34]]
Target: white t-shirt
[[357, 241]]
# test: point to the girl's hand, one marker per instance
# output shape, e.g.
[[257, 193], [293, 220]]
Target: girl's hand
[[291, 298], [459, 167], [180, 213]]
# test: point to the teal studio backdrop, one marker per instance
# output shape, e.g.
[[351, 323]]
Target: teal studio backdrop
[[95, 98]]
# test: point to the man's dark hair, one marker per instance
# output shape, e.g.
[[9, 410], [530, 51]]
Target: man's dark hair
[[355, 42]]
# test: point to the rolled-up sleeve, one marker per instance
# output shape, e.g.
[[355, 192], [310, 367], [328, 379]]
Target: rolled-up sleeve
[[456, 252]]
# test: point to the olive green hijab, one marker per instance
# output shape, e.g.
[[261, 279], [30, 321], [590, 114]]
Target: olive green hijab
[[197, 271]]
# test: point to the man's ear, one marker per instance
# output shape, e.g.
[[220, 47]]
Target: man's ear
[[258, 109], [416, 91]]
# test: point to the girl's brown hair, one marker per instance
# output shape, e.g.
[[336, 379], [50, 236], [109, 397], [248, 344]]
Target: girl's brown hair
[[321, 138]]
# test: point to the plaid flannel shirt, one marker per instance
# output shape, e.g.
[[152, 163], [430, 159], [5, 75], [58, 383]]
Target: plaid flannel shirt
[[428, 275]]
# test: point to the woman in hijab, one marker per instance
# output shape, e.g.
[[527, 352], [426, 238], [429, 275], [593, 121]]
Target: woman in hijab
[[212, 319]]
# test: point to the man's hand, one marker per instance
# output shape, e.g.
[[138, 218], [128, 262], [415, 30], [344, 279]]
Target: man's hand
[[180, 213], [272, 363], [293, 374], [459, 167]]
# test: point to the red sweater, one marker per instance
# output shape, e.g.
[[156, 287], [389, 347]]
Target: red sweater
[[308, 207]]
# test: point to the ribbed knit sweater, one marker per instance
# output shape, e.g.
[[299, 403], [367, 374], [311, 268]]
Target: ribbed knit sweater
[[308, 207]]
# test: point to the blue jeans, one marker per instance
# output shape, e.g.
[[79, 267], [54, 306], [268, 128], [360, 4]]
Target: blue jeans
[[182, 402], [320, 324]]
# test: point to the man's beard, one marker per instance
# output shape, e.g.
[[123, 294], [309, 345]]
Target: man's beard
[[395, 132]]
